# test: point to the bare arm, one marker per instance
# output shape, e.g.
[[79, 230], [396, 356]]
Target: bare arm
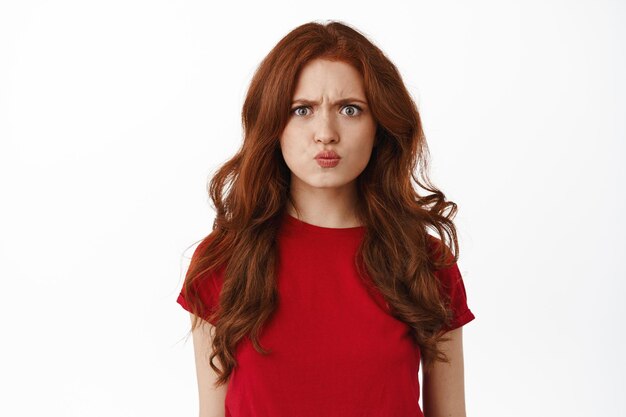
[[211, 399], [444, 386]]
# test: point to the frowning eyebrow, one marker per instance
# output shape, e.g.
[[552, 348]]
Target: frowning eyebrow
[[342, 101]]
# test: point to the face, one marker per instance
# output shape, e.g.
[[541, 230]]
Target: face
[[329, 112]]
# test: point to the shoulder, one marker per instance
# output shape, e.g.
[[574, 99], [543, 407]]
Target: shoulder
[[435, 247]]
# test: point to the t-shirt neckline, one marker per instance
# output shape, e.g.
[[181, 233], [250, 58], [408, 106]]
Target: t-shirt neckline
[[294, 224]]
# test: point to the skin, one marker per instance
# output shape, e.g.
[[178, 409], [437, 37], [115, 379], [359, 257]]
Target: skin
[[210, 398], [443, 388], [327, 196]]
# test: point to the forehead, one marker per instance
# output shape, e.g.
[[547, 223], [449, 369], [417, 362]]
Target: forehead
[[334, 78]]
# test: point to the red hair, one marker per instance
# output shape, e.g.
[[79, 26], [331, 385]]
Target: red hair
[[251, 190]]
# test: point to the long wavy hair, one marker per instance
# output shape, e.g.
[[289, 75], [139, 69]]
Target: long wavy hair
[[250, 193]]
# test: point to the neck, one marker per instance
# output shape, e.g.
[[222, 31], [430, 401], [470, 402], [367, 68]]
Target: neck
[[325, 207]]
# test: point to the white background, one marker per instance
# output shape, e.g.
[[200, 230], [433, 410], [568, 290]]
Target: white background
[[113, 114]]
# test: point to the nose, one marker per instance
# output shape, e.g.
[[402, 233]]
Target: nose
[[325, 131]]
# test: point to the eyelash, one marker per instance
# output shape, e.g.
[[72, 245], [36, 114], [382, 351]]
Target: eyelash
[[347, 105]]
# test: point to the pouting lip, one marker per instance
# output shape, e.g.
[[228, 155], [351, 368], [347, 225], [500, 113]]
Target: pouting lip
[[327, 155]]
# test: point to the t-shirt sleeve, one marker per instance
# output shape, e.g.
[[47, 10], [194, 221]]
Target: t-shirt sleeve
[[208, 286], [452, 284]]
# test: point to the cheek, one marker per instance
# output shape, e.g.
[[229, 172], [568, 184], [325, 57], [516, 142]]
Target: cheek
[[291, 152], [366, 141], [287, 141], [362, 156]]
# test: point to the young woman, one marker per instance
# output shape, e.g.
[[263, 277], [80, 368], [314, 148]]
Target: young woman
[[319, 289]]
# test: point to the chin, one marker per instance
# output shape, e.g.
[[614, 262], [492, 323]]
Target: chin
[[331, 183]]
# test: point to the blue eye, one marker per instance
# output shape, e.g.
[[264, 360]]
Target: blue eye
[[356, 107], [294, 111]]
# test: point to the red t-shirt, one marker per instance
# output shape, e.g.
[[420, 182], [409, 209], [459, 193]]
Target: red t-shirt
[[336, 349]]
